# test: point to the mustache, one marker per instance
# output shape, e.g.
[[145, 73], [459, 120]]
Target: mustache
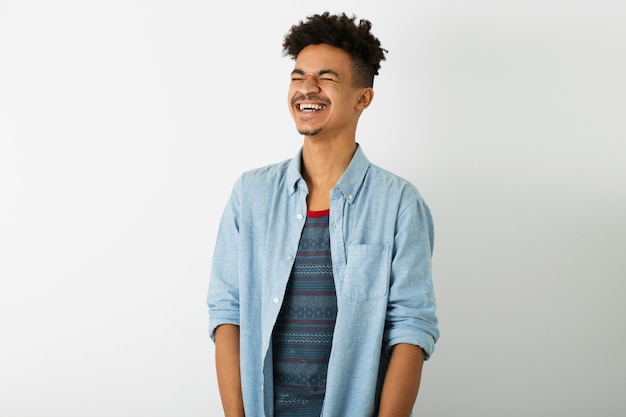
[[310, 97]]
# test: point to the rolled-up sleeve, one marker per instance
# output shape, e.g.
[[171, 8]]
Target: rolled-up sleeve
[[223, 293], [411, 316]]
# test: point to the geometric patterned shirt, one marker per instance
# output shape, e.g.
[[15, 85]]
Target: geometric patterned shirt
[[303, 333]]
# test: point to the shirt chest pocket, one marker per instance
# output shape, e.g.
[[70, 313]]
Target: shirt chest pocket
[[367, 271]]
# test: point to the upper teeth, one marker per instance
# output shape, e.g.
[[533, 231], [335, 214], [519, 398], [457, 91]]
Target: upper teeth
[[311, 107]]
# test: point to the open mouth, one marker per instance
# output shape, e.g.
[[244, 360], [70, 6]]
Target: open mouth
[[310, 107]]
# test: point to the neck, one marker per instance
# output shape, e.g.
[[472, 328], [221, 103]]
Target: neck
[[324, 162]]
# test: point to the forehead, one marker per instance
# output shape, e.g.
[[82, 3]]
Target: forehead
[[315, 58]]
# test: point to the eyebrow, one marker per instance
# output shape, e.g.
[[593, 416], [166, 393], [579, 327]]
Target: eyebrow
[[320, 72]]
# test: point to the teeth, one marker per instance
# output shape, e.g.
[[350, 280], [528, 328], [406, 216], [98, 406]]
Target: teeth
[[311, 107]]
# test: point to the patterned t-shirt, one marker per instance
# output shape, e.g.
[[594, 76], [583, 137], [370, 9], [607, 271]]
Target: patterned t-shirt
[[303, 333]]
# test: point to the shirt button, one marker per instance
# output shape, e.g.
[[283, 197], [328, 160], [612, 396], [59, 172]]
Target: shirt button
[[276, 300], [289, 258], [350, 197], [299, 216]]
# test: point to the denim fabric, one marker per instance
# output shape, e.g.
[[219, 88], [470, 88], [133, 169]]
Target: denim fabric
[[381, 236]]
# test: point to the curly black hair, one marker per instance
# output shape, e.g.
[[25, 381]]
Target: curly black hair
[[342, 32]]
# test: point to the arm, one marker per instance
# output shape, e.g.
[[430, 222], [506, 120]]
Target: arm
[[223, 303], [402, 381], [411, 324], [227, 367]]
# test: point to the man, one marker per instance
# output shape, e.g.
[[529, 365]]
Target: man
[[320, 299]]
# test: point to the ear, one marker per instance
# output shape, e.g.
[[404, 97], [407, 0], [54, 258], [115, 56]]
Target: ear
[[365, 98]]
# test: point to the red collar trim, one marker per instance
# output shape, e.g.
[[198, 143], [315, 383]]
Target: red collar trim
[[318, 213]]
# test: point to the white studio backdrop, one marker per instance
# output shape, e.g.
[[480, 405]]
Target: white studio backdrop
[[123, 125]]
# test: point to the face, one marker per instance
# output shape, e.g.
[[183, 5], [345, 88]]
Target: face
[[322, 98]]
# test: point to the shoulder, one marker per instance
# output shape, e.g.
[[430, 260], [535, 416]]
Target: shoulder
[[268, 175], [390, 184]]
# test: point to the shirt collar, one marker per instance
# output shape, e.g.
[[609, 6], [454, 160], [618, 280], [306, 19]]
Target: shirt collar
[[349, 183], [294, 173]]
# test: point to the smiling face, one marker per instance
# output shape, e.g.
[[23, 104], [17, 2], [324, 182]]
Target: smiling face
[[322, 98]]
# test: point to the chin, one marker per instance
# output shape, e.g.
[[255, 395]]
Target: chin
[[309, 132]]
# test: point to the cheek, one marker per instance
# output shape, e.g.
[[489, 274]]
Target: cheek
[[291, 94]]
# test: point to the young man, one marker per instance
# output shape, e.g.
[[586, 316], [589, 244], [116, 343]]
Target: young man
[[320, 299]]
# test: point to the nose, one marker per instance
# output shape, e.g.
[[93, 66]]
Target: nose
[[309, 86]]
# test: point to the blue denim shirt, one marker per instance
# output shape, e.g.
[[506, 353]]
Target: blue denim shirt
[[381, 238]]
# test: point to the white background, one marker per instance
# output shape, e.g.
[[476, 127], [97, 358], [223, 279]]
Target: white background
[[123, 125]]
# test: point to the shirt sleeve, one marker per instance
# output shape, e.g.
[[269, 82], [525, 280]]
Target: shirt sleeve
[[223, 293], [411, 316]]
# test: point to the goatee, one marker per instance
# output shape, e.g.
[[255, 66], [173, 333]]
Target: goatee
[[309, 132]]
